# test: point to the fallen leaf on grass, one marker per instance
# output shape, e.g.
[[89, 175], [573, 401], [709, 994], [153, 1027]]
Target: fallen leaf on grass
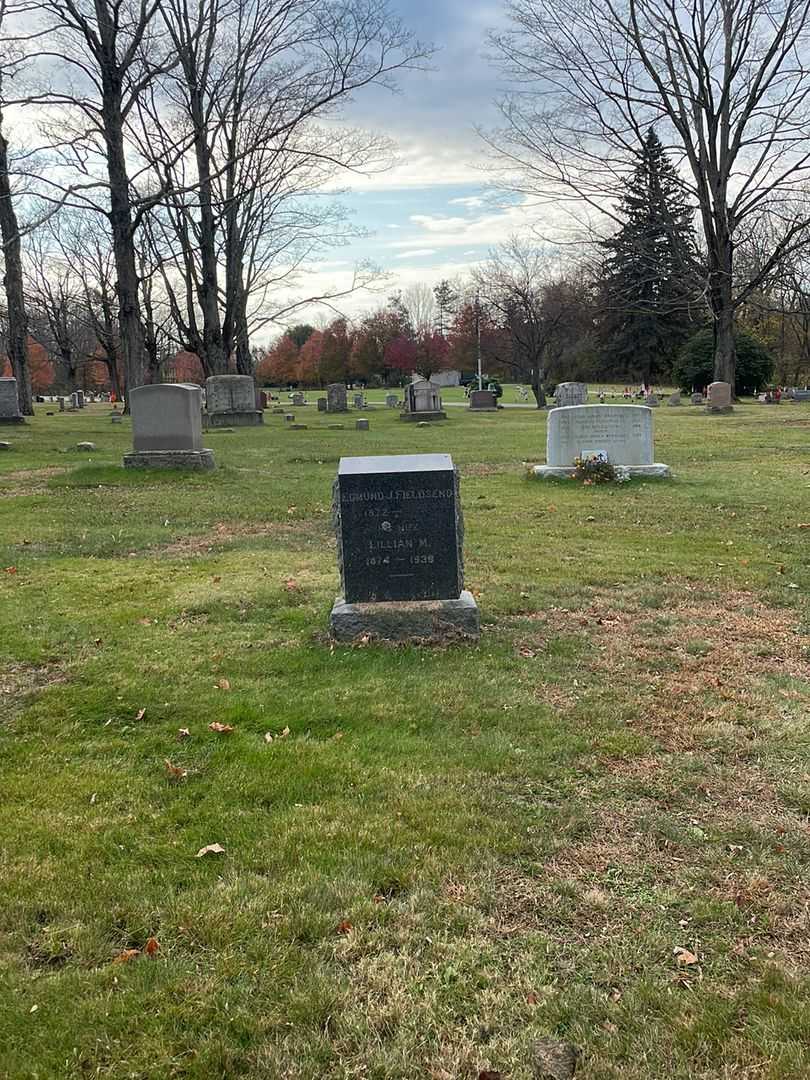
[[290, 584], [489, 1074], [139, 715], [344, 927], [211, 849], [268, 737], [531, 998], [223, 684], [11, 570], [151, 947], [527, 653], [127, 955], [145, 622], [183, 733], [174, 771], [221, 729], [685, 957]]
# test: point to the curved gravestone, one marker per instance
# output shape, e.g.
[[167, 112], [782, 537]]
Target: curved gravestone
[[623, 434], [167, 428], [230, 401], [400, 534], [718, 398], [9, 403]]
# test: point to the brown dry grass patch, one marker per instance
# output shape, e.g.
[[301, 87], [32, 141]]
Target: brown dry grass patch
[[17, 680], [22, 482], [226, 532]]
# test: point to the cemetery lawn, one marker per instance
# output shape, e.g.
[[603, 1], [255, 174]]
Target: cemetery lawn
[[592, 828]]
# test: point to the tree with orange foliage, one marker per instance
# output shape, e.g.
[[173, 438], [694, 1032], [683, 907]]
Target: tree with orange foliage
[[278, 366]]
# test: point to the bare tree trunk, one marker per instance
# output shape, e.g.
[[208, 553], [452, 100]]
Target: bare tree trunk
[[13, 283], [537, 387], [722, 303], [129, 315], [208, 290]]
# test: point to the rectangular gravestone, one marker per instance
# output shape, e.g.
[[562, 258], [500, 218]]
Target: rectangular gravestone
[[621, 434], [570, 393], [167, 428], [321, 402], [336, 398], [230, 401], [400, 531], [718, 398], [483, 401], [9, 403]]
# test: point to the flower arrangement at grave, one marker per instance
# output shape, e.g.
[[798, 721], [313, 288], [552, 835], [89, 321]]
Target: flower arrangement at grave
[[594, 470]]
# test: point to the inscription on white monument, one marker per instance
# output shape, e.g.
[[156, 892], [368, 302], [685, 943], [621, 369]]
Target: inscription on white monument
[[622, 432]]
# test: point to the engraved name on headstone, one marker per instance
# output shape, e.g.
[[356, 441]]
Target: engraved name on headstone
[[399, 528]]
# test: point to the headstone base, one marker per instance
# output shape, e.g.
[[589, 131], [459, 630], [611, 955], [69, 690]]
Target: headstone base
[[169, 459], [723, 410], [407, 620], [415, 416], [234, 419], [12, 419], [545, 471]]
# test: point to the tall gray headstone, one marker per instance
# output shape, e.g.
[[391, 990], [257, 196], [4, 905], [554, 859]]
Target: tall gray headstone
[[167, 428], [718, 398], [336, 398], [230, 401], [9, 402], [570, 393]]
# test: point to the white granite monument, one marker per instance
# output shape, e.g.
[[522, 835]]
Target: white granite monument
[[621, 433]]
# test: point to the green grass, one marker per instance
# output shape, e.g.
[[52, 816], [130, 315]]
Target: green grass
[[455, 852]]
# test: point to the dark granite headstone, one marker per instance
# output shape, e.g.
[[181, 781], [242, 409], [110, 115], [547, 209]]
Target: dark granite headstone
[[399, 528]]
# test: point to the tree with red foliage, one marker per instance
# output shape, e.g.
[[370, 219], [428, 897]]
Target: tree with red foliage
[[188, 368], [309, 359], [279, 365], [463, 341], [425, 353]]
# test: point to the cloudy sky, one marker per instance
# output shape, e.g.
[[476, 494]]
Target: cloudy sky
[[432, 215]]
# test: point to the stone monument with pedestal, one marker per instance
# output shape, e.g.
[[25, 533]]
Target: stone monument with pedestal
[[570, 393], [483, 401], [422, 402], [400, 532], [623, 434], [167, 428], [9, 403], [718, 398], [336, 398], [230, 401]]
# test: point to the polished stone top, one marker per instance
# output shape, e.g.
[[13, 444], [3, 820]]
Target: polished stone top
[[395, 463]]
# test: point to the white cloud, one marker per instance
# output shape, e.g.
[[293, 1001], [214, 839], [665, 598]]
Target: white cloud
[[481, 230], [417, 254], [472, 202]]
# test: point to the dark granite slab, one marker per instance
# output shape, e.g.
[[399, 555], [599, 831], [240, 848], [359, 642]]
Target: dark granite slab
[[399, 528]]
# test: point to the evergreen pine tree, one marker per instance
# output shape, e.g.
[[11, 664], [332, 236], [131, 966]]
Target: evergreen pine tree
[[649, 282]]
